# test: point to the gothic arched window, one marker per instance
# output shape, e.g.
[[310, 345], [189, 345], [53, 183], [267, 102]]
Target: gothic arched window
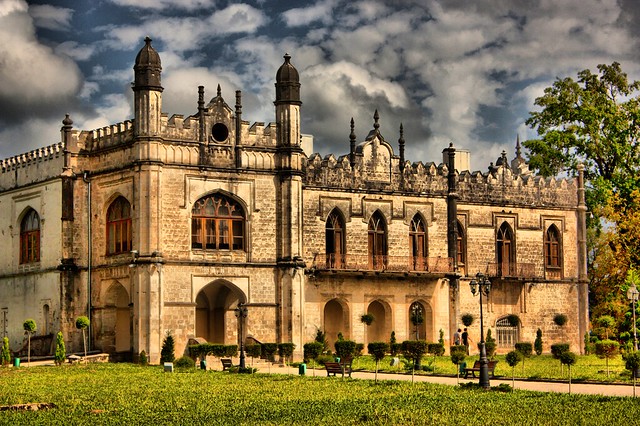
[[505, 251], [377, 241], [119, 226], [217, 223], [30, 237], [335, 240], [552, 252], [461, 245], [418, 241]]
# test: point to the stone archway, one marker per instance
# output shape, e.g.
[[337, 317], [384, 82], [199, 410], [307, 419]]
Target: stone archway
[[423, 330], [336, 320], [116, 323], [215, 315], [380, 329]]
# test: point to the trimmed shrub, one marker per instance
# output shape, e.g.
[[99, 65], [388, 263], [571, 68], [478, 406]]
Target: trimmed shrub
[[490, 345], [560, 319], [414, 350], [607, 349], [253, 351], [345, 348], [82, 323], [230, 350], [5, 357], [143, 359], [61, 352], [359, 349], [168, 352], [185, 362], [632, 363], [458, 348], [322, 338], [285, 350], [435, 349], [537, 344], [312, 351], [467, 319], [395, 348], [29, 327], [269, 350], [513, 358], [525, 348], [377, 350]]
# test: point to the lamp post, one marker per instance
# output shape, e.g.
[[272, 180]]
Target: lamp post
[[632, 294], [482, 285], [241, 314]]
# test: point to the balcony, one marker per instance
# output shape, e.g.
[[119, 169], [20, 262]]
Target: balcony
[[511, 270], [379, 263]]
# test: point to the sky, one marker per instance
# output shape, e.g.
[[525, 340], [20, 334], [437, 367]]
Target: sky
[[459, 71]]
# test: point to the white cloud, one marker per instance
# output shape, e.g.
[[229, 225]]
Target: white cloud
[[51, 17], [321, 12], [75, 50], [166, 4]]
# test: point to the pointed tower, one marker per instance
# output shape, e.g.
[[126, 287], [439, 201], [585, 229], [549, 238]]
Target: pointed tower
[[289, 157], [147, 91]]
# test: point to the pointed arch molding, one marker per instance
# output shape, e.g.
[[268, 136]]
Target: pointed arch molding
[[196, 187], [510, 218], [198, 282], [547, 221], [370, 206], [327, 204], [423, 209]]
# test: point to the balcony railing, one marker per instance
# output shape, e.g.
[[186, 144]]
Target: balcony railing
[[380, 263], [511, 270]]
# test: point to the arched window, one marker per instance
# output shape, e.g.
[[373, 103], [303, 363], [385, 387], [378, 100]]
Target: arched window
[[418, 241], [552, 253], [335, 240], [505, 251], [461, 250], [217, 223], [377, 241], [119, 226], [30, 237], [507, 335]]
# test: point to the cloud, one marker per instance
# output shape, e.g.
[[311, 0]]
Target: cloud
[[321, 12], [51, 17], [166, 4]]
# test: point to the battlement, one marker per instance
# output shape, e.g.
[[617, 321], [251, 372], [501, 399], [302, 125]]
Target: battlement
[[108, 136], [28, 158]]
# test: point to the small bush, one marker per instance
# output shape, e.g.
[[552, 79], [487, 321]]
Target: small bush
[[285, 350], [538, 342], [143, 359], [525, 348], [394, 348], [345, 348], [513, 358], [558, 349], [61, 352], [458, 348], [168, 352], [269, 350], [435, 349], [253, 351], [359, 349], [185, 362], [467, 319], [560, 319], [6, 352], [322, 359], [312, 351]]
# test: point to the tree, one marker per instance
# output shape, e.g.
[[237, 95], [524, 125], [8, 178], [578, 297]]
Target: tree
[[61, 352], [607, 349], [168, 351], [568, 358], [632, 363], [285, 350], [525, 349], [558, 349], [513, 358], [489, 345], [606, 323], [414, 350], [538, 342], [377, 350], [29, 327], [457, 357], [6, 352], [312, 351], [322, 338], [82, 323], [345, 349]]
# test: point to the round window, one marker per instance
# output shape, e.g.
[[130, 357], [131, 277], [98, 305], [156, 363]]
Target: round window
[[219, 132]]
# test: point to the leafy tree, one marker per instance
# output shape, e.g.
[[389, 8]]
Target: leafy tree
[[82, 323], [606, 323], [607, 349], [29, 327], [537, 344], [168, 351], [322, 338], [525, 349], [568, 358], [414, 350], [5, 357], [558, 349], [61, 352], [377, 350], [632, 363], [513, 358], [490, 345], [312, 351], [441, 338], [285, 350], [457, 357], [254, 351]]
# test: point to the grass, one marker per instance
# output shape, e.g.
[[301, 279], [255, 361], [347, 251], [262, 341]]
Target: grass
[[105, 394], [588, 367]]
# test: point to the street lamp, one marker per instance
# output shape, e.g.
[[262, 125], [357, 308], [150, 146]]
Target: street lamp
[[241, 314], [632, 294], [482, 285]]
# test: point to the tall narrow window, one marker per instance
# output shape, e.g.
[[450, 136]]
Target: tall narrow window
[[461, 251], [30, 237], [418, 241], [552, 247], [119, 226], [507, 335], [217, 223], [334, 240], [505, 251], [377, 242]]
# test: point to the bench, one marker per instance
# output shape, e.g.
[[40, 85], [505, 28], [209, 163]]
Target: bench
[[334, 368], [476, 367], [226, 363]]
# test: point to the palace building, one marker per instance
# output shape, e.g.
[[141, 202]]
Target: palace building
[[167, 223]]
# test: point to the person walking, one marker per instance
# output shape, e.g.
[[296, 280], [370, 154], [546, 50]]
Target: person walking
[[465, 340], [456, 338]]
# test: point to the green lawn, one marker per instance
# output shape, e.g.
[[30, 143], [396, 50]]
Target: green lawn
[[128, 394], [588, 367]]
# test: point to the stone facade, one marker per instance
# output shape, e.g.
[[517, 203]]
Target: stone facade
[[127, 235]]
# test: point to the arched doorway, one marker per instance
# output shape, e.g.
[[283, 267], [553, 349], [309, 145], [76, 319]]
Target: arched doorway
[[380, 328], [336, 320], [215, 316], [420, 322], [116, 320]]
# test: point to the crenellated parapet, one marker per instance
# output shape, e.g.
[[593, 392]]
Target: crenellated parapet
[[26, 159], [107, 137]]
